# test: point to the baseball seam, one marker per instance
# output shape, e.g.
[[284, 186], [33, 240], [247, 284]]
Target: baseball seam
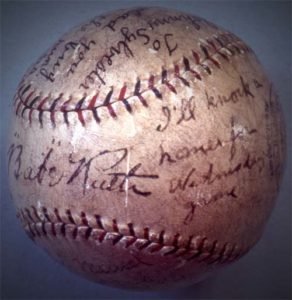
[[199, 64], [52, 224]]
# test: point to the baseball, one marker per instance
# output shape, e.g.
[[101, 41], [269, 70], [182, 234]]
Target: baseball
[[146, 149]]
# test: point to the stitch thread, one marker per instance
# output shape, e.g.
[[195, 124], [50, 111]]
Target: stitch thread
[[223, 45], [50, 223]]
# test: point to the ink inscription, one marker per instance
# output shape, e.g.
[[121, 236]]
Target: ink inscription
[[50, 67], [123, 47], [206, 200], [82, 171], [183, 113], [244, 90], [186, 152], [195, 177], [154, 22]]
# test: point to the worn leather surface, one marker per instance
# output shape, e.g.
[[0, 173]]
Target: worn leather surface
[[147, 148]]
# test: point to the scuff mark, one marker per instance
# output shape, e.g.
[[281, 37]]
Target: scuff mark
[[127, 179]]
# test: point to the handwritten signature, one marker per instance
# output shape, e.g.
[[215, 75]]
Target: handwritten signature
[[81, 171]]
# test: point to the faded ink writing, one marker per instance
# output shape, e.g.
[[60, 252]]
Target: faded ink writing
[[80, 48], [193, 178], [205, 200], [122, 47]]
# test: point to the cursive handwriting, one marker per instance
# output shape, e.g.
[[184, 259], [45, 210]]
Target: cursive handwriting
[[80, 171], [245, 90], [81, 46], [193, 20], [274, 143], [123, 47], [45, 58], [115, 181], [153, 22], [122, 17], [202, 201], [183, 153], [110, 269], [15, 152], [43, 170], [185, 112], [96, 22], [194, 178]]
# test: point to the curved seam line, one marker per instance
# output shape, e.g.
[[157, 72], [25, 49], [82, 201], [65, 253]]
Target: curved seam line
[[214, 254], [137, 93]]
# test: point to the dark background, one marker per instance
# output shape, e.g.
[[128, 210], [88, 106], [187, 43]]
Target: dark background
[[27, 30]]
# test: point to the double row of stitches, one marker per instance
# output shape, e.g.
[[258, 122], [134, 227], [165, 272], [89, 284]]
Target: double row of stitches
[[213, 51], [53, 224]]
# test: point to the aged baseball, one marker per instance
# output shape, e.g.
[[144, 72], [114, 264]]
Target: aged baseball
[[146, 149]]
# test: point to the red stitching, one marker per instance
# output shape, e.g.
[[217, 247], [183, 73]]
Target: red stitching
[[210, 42], [92, 102], [177, 75], [146, 233], [209, 57], [122, 93], [84, 219], [224, 45], [39, 108], [122, 98], [28, 97], [98, 222], [32, 109], [18, 106], [26, 101], [56, 212], [52, 109], [91, 106], [131, 229], [65, 111], [196, 57], [108, 104], [78, 109], [166, 82], [69, 215], [41, 224], [211, 252], [115, 226], [137, 93], [188, 69], [153, 88], [25, 90], [151, 82]]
